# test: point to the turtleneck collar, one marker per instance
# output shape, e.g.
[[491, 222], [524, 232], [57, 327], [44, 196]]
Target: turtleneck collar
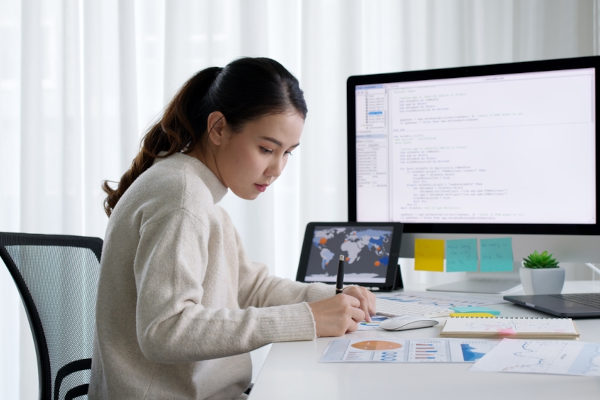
[[217, 189]]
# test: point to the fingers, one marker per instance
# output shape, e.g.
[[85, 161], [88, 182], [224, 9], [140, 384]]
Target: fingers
[[352, 327], [371, 306], [365, 309], [365, 298], [337, 315], [352, 300], [355, 315], [354, 308]]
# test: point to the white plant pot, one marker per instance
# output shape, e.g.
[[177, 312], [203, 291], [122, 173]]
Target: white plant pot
[[542, 280]]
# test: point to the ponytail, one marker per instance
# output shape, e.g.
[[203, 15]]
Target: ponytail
[[245, 89], [173, 133]]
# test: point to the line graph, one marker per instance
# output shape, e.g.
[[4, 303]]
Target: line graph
[[542, 356]]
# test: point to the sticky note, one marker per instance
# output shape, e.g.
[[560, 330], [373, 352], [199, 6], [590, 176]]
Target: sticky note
[[496, 255], [507, 332], [461, 255], [429, 255], [475, 310], [473, 315]]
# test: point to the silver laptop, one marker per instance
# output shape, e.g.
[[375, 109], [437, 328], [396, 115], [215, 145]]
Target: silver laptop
[[573, 305]]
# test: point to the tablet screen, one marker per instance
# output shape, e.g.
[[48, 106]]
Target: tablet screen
[[367, 250]]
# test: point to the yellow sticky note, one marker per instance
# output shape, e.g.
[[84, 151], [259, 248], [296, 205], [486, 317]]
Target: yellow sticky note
[[474, 314], [429, 255]]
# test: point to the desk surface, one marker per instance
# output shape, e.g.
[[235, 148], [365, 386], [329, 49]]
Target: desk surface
[[292, 371]]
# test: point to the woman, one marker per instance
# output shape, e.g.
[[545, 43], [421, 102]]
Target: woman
[[179, 304]]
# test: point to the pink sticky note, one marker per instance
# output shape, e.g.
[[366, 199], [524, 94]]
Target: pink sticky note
[[507, 332]]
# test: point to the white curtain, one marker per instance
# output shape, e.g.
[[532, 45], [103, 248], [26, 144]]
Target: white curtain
[[81, 80]]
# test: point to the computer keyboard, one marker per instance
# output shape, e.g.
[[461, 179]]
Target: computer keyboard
[[588, 299], [392, 308]]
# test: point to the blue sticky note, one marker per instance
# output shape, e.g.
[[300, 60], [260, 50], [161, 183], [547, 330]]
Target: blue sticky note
[[461, 255], [496, 255]]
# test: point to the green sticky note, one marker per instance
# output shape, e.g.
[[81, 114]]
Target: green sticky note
[[496, 255], [461, 255], [475, 310]]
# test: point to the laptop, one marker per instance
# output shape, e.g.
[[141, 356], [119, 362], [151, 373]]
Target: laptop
[[573, 305]]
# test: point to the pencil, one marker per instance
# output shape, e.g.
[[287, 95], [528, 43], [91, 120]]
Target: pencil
[[339, 284]]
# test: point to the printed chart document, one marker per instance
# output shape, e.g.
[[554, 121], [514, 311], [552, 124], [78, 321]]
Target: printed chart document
[[373, 325], [542, 357], [391, 350], [446, 300]]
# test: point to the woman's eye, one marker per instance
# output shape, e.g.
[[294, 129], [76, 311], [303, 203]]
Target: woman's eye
[[265, 150]]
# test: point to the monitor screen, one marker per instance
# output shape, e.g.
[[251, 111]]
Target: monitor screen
[[505, 148]]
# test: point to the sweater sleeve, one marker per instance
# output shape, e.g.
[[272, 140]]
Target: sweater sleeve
[[260, 289], [175, 321]]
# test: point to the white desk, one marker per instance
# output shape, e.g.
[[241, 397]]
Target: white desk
[[292, 371]]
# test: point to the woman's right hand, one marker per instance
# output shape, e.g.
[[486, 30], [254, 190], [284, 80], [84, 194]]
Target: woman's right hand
[[337, 315]]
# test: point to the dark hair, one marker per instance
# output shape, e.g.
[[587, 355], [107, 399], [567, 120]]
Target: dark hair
[[246, 89]]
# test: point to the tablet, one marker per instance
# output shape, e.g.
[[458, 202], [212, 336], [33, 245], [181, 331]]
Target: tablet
[[369, 248]]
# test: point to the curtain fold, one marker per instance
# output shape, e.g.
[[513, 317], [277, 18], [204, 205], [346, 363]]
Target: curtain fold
[[82, 80]]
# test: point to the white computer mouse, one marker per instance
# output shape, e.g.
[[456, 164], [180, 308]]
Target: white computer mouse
[[407, 322]]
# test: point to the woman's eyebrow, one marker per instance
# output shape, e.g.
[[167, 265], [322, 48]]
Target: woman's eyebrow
[[277, 142]]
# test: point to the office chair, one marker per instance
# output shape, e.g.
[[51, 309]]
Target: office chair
[[57, 277]]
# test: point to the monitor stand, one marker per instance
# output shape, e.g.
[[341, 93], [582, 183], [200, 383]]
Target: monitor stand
[[478, 285]]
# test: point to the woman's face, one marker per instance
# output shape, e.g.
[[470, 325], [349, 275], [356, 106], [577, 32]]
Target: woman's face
[[249, 160]]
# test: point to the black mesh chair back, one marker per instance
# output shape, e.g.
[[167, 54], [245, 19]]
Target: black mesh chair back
[[57, 277]]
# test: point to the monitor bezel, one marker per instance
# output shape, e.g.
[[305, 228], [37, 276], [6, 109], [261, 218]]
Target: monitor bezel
[[469, 71]]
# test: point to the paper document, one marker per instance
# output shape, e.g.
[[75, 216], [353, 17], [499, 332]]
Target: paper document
[[446, 300], [373, 325], [542, 357], [391, 350]]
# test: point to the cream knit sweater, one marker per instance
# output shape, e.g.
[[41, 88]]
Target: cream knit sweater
[[179, 304]]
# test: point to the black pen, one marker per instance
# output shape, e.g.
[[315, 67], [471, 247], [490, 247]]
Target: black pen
[[339, 284]]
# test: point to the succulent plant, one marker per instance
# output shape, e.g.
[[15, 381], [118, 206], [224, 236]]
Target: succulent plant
[[540, 260]]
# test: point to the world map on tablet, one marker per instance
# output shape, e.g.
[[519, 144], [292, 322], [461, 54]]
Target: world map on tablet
[[366, 251]]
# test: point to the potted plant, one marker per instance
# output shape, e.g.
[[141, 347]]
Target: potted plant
[[541, 274]]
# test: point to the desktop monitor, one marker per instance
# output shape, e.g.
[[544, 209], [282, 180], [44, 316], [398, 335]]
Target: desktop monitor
[[481, 151]]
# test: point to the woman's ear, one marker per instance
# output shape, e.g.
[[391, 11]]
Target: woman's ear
[[215, 125]]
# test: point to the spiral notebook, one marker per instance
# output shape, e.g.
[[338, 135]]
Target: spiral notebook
[[510, 327]]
